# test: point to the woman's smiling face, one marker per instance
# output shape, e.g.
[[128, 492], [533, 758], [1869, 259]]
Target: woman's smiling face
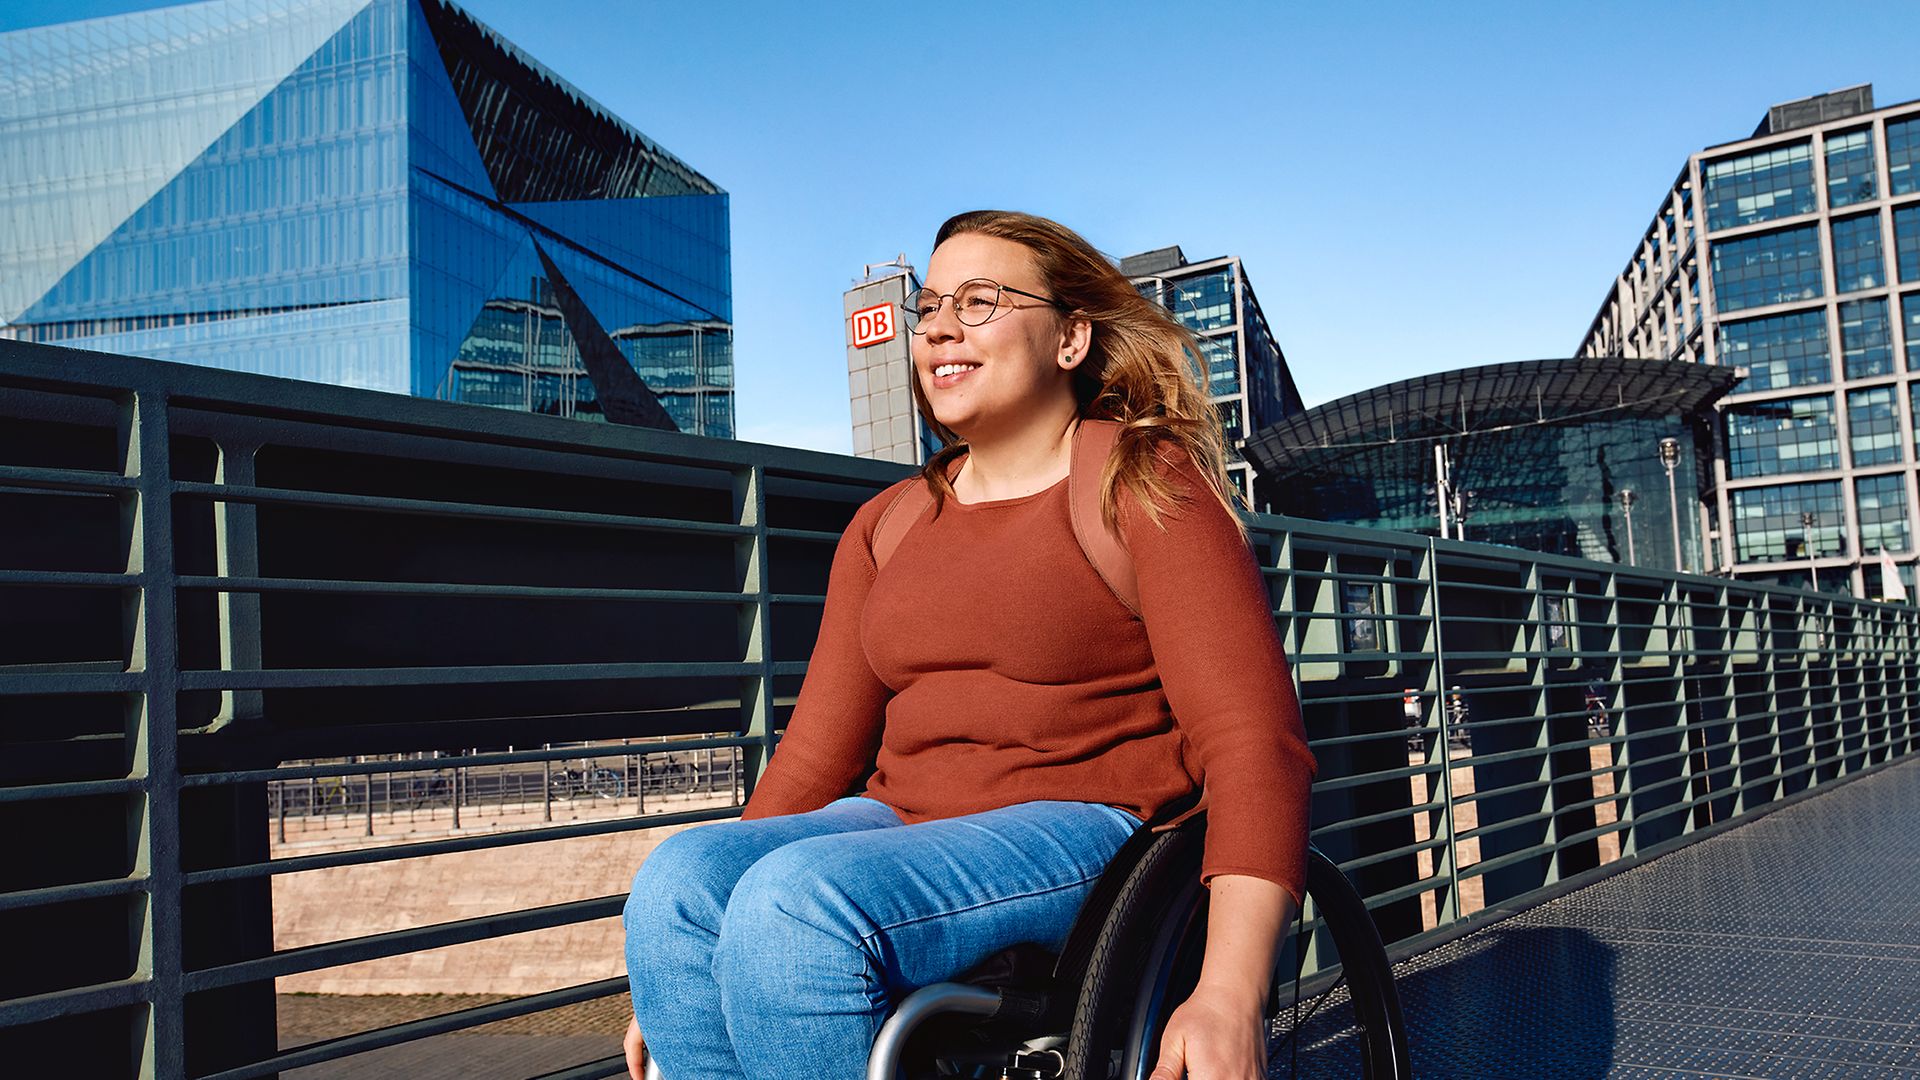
[[980, 380]]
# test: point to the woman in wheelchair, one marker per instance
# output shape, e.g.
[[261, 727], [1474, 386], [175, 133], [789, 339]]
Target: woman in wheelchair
[[1008, 716]]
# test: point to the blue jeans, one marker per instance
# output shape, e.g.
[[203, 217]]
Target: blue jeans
[[775, 948]]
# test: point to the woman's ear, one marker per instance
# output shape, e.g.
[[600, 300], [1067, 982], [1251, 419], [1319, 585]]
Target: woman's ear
[[1075, 342]]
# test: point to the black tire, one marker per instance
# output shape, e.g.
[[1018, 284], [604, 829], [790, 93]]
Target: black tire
[[1147, 961], [561, 786]]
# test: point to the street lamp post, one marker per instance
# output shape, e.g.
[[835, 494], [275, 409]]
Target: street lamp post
[[1670, 457], [1808, 519], [1626, 497]]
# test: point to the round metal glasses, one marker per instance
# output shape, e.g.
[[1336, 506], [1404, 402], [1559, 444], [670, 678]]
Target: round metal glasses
[[974, 302]]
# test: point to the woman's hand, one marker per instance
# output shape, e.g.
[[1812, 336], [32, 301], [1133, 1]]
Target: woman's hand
[[636, 1051], [1214, 1035], [1220, 1032]]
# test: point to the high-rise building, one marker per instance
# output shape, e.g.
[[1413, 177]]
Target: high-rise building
[[374, 193], [1794, 254], [1242, 366], [887, 425]]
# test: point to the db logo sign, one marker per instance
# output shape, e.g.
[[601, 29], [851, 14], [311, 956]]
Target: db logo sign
[[873, 325]]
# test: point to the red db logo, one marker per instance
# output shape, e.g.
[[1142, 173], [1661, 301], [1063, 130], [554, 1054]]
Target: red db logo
[[873, 325]]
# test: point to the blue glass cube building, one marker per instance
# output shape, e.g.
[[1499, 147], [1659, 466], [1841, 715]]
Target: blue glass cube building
[[375, 193]]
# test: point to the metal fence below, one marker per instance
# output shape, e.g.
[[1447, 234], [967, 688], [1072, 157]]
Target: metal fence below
[[232, 605]]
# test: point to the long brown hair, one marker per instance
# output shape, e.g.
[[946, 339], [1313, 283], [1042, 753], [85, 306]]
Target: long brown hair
[[1138, 371]]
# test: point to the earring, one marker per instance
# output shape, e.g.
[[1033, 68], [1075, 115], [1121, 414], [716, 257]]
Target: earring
[[1067, 359]]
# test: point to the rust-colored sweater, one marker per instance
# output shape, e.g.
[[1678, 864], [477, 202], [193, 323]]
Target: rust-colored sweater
[[989, 664]]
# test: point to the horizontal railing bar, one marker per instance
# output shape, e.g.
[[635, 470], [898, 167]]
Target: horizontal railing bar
[[435, 588], [57, 1004], [73, 579], [70, 789], [66, 479], [1374, 819], [71, 682], [400, 942], [265, 496], [592, 1070], [362, 856], [476, 675], [415, 1030], [464, 761], [67, 894]]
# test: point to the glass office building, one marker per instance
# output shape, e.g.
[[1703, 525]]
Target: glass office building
[[1792, 257], [1242, 368], [375, 193], [1557, 456]]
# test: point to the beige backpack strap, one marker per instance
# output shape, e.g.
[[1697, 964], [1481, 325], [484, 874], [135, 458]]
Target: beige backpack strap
[[899, 516], [1093, 442]]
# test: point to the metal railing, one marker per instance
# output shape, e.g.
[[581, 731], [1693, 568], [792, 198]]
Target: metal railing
[[217, 590]]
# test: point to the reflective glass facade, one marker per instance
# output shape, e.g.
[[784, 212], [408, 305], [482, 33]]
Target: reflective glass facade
[[1768, 526], [374, 193], [1866, 342], [1903, 155], [1854, 335], [1856, 254], [1883, 513], [1240, 364], [1910, 313], [1850, 167], [1790, 435], [1773, 183], [1873, 426], [1906, 242], [1772, 268], [1778, 350], [1553, 487]]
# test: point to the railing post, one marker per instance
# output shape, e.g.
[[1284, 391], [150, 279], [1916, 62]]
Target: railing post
[[755, 622], [1450, 911]]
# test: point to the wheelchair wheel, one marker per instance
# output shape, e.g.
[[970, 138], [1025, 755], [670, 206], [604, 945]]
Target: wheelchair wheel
[[1147, 960]]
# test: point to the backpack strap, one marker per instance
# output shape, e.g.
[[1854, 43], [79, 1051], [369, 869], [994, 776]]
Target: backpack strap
[[1093, 442], [907, 508]]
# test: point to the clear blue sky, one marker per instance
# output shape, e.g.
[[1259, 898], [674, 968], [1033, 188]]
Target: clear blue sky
[[1414, 187]]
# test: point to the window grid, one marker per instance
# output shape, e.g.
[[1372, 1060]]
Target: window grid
[[1906, 241], [1205, 301], [1866, 341], [1903, 156], [1769, 438], [1778, 351], [1856, 254], [1882, 505], [1768, 527], [1910, 312], [1772, 268], [1873, 427], [1850, 167], [1773, 183]]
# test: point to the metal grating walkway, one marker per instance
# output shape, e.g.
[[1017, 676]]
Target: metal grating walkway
[[1788, 947]]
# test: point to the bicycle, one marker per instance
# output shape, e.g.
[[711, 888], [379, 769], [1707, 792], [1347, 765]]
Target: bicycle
[[435, 789], [596, 780]]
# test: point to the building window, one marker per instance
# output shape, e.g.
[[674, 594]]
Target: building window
[[1768, 527], [1873, 426], [1773, 183], [1903, 156], [1230, 421], [1222, 374], [1360, 603], [1866, 341], [1856, 254], [1204, 301], [1778, 351], [1910, 311], [1906, 241], [1849, 167], [1772, 268], [1768, 438], [1883, 512]]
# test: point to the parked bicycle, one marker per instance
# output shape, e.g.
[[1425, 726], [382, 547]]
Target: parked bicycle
[[591, 779]]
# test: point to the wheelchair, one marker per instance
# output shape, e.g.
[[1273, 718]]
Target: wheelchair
[[1097, 1010]]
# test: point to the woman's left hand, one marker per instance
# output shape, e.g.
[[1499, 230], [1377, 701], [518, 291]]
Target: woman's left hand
[[1213, 1035]]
